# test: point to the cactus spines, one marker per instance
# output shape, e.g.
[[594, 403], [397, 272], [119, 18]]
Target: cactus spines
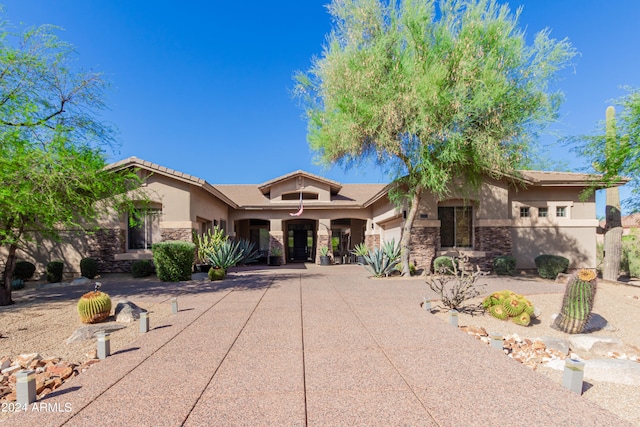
[[577, 303], [498, 312], [94, 307], [522, 319], [513, 306]]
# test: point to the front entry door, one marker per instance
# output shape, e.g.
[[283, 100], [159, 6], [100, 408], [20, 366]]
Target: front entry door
[[300, 245]]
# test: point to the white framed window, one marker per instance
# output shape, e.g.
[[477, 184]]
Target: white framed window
[[525, 212], [561, 211], [543, 212]]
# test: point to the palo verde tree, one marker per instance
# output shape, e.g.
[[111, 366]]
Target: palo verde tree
[[52, 158], [438, 92], [614, 151]]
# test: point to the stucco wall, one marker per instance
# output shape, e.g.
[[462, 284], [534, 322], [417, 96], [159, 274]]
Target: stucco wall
[[578, 244]]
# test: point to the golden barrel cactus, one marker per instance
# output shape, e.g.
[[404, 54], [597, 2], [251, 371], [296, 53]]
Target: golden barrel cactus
[[94, 307]]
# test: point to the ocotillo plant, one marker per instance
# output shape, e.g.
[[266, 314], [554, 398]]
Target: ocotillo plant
[[577, 302]]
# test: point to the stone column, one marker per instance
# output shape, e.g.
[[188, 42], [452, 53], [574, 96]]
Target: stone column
[[276, 239], [323, 238]]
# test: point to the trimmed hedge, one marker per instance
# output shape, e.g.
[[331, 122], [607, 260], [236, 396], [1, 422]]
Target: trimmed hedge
[[54, 271], [88, 268], [504, 265], [173, 260], [443, 264], [141, 268], [549, 266], [24, 270]]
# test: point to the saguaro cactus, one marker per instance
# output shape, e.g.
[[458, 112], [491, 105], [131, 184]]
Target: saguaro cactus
[[613, 227], [577, 303]]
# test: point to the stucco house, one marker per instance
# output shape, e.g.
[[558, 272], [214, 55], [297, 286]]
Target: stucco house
[[540, 212]]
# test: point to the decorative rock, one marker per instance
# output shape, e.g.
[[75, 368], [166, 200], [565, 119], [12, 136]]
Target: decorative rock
[[5, 362], [586, 342], [562, 278], [83, 281], [597, 323], [25, 360], [559, 344], [11, 370], [126, 311], [88, 332]]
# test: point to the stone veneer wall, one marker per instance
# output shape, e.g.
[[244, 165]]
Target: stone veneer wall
[[185, 234], [104, 244], [322, 240], [372, 241], [425, 242], [494, 241]]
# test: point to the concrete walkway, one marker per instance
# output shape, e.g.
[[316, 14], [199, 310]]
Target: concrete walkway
[[310, 345]]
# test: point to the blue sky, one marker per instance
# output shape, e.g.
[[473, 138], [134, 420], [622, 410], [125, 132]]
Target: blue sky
[[204, 86]]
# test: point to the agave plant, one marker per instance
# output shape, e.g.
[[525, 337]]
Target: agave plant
[[382, 262], [249, 253], [225, 255], [360, 250]]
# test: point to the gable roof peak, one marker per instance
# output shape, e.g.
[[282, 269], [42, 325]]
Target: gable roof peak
[[334, 185]]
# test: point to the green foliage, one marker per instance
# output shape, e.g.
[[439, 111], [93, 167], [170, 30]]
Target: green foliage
[[249, 253], [504, 265], [437, 92], [324, 251], [141, 268], [444, 265], [507, 304], [383, 261], [53, 152], [360, 250], [225, 255], [94, 307], [88, 268], [216, 273], [24, 270], [631, 255], [54, 271], [208, 242], [173, 260], [549, 266], [577, 303], [615, 157]]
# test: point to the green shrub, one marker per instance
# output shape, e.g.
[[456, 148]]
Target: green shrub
[[88, 268], [54, 271], [24, 270], [443, 265], [504, 265], [631, 255], [549, 266], [173, 260], [141, 268]]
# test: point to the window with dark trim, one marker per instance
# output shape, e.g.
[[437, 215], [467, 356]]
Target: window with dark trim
[[524, 212], [543, 212], [456, 226], [143, 228]]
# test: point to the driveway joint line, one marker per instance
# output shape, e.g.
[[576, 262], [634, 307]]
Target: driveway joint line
[[227, 352], [145, 359], [385, 353]]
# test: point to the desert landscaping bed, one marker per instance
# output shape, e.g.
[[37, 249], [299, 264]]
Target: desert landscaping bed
[[616, 312], [42, 325]]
